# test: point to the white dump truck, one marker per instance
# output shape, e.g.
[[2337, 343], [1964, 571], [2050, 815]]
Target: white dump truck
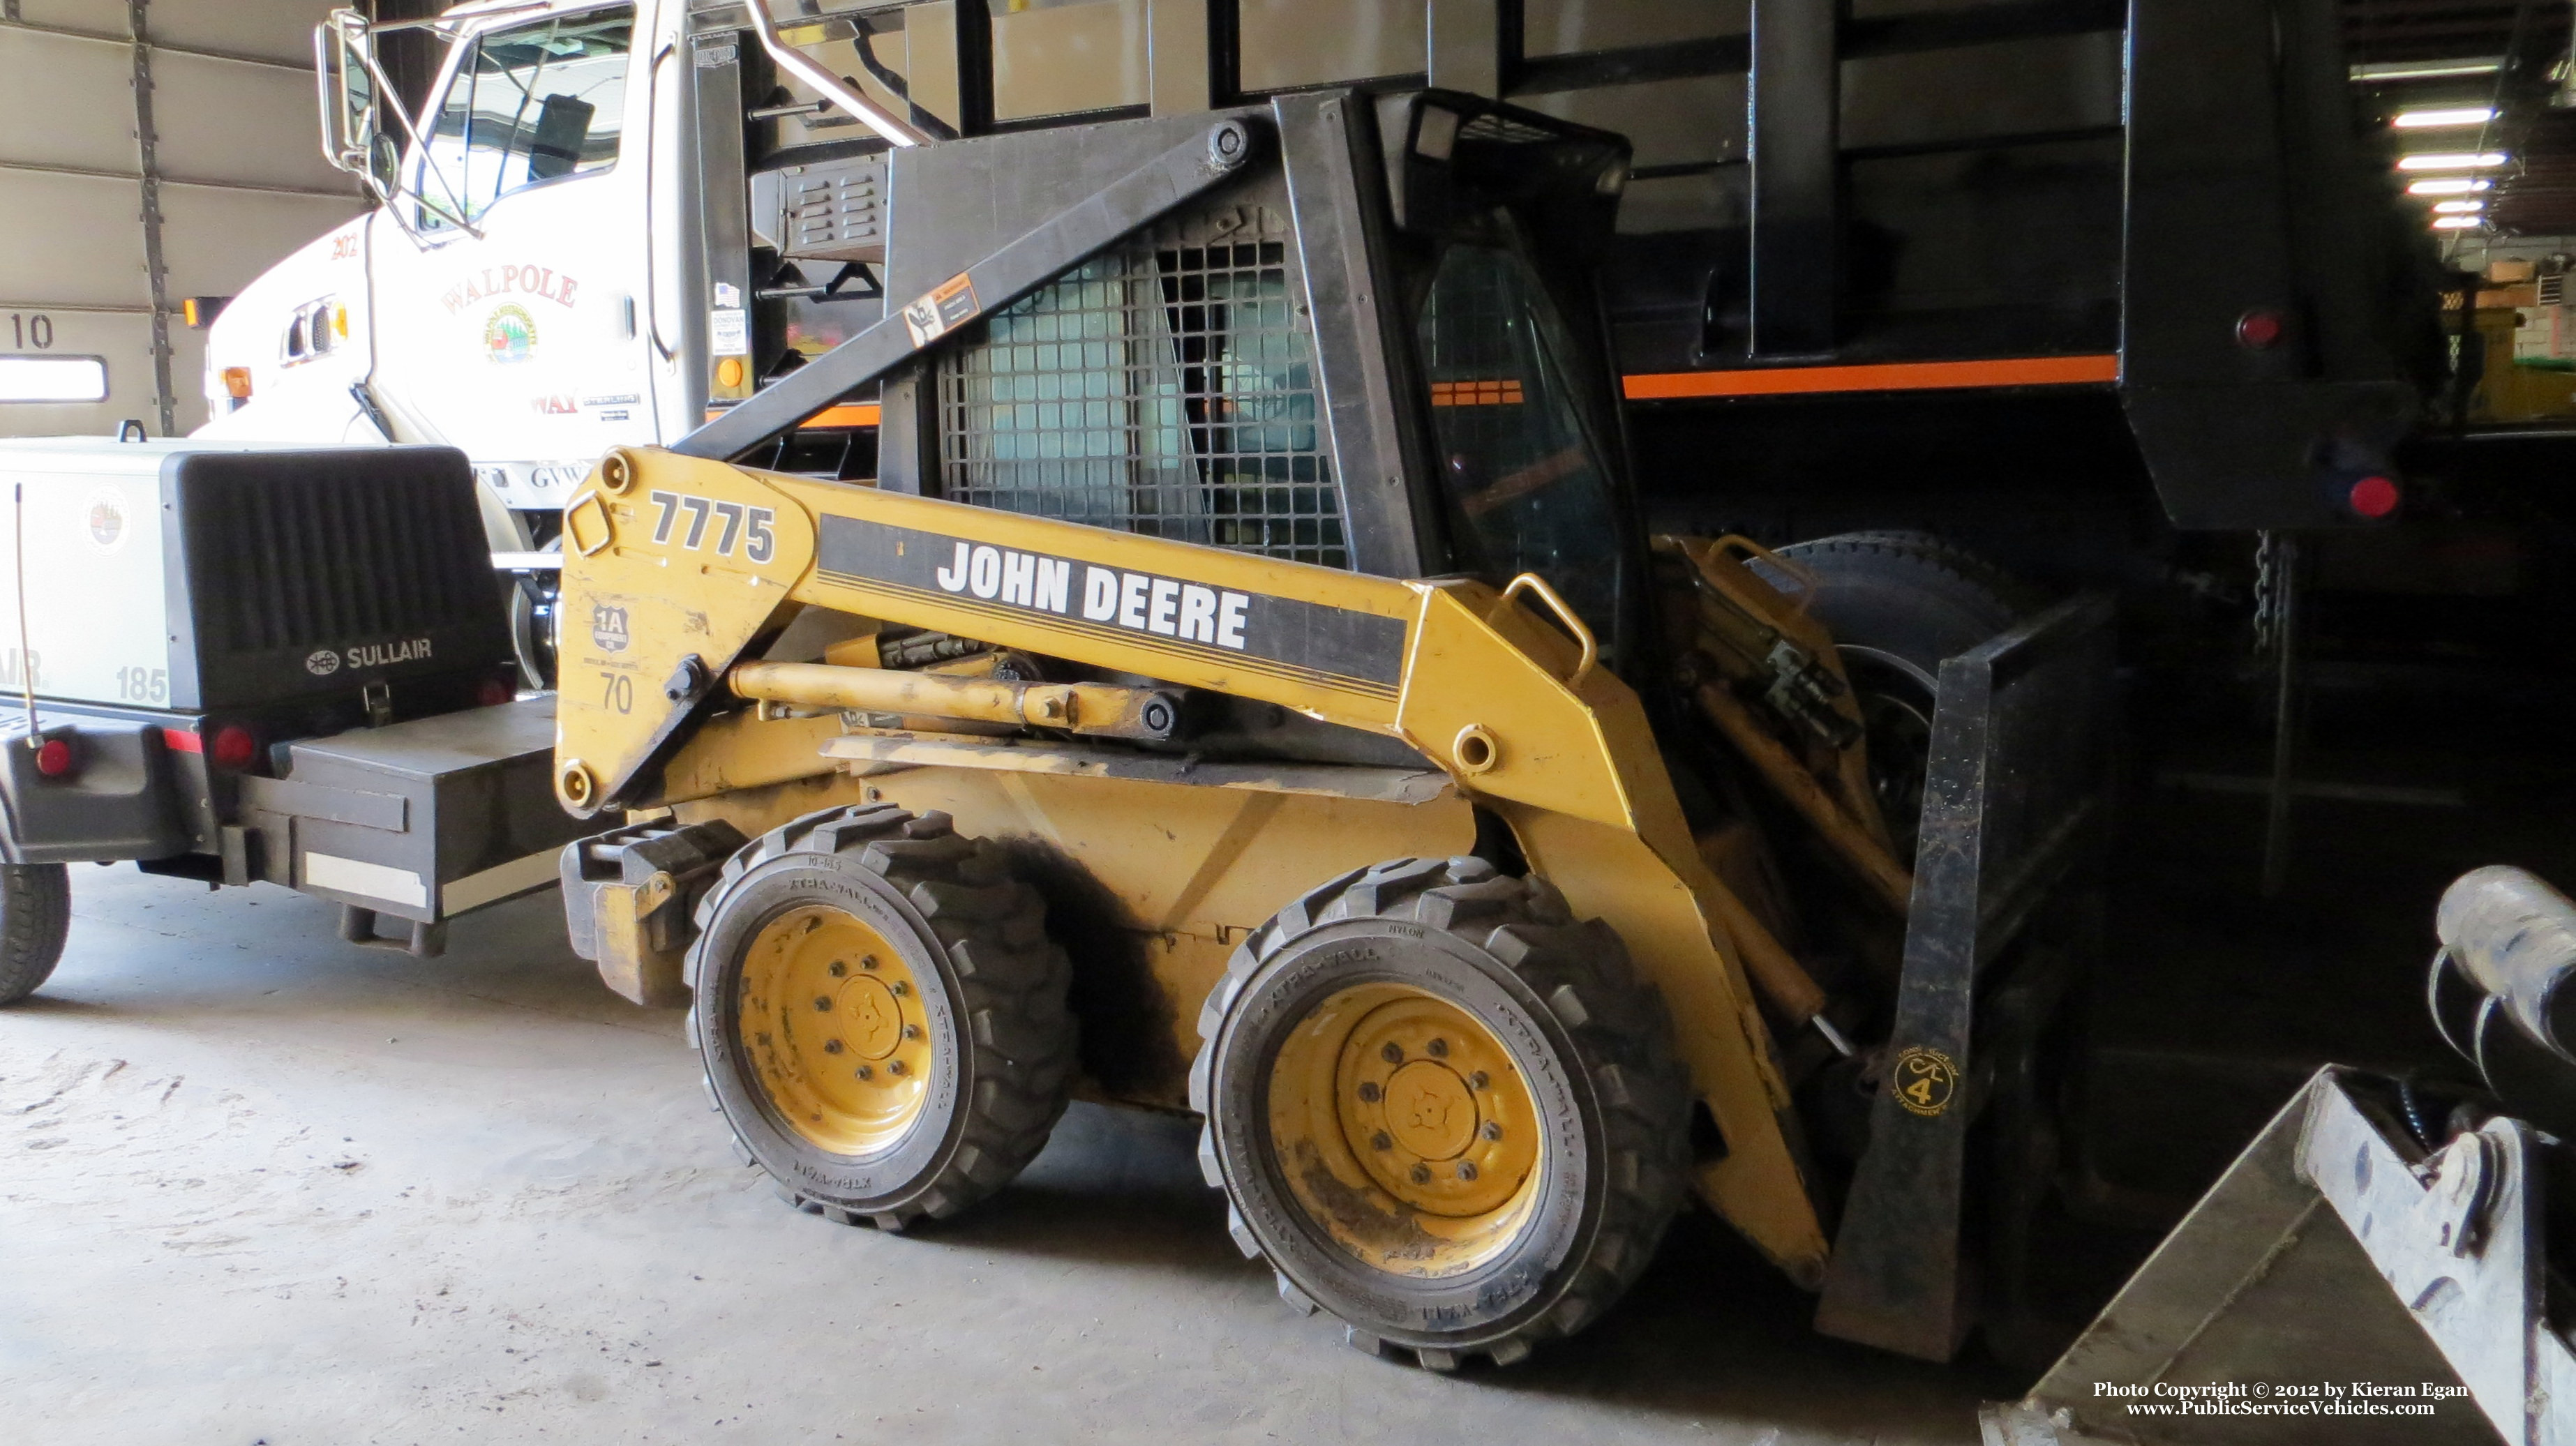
[[540, 281]]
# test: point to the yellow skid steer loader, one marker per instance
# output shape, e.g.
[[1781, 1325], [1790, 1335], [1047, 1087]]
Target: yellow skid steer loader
[[1246, 688]]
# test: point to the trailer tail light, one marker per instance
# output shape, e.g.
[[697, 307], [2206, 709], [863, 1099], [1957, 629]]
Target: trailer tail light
[[2373, 497], [495, 692], [233, 746], [54, 758], [2259, 330]]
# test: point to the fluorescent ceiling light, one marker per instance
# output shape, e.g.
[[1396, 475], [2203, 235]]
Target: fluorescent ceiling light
[[2458, 208], [2448, 186], [2464, 115], [2428, 69], [52, 379], [2451, 161], [2457, 223]]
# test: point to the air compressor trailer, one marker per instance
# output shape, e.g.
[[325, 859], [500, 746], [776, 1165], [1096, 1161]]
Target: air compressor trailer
[[241, 664]]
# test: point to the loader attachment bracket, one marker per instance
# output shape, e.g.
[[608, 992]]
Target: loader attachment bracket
[[2011, 810]]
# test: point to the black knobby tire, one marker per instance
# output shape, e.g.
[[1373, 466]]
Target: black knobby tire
[[1907, 593], [1593, 1045], [35, 918], [1898, 603], [992, 985]]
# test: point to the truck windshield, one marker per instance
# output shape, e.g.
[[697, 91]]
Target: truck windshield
[[529, 104], [1517, 465]]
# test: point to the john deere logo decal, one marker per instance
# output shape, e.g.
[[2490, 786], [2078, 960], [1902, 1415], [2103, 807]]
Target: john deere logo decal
[[608, 628], [510, 335], [1925, 1080]]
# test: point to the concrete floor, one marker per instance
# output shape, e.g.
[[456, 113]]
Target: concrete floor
[[257, 1185]]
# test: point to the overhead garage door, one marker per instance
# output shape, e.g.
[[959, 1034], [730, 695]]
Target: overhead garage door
[[113, 212]]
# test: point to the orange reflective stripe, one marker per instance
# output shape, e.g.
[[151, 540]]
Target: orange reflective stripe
[[848, 414], [1505, 392], [2034, 371]]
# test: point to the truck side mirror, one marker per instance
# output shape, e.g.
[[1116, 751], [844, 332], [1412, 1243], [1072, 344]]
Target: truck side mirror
[[344, 64]]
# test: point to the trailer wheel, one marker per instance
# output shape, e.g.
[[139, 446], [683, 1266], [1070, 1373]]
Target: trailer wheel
[[1897, 604], [35, 918], [1442, 1110], [881, 1014], [536, 624]]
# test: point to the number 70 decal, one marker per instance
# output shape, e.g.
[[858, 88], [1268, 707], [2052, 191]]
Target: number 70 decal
[[736, 524]]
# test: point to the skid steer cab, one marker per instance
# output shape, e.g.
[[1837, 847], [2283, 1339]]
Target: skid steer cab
[[1246, 688]]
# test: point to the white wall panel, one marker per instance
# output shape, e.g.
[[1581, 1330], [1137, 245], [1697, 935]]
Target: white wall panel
[[221, 120], [71, 239], [277, 29], [64, 101], [106, 17]]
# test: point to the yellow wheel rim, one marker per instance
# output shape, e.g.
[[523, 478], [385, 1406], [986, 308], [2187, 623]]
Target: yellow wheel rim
[[1405, 1130], [831, 1019]]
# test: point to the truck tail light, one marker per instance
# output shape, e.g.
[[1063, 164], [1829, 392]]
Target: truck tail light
[[54, 758], [233, 746], [495, 691], [2373, 497]]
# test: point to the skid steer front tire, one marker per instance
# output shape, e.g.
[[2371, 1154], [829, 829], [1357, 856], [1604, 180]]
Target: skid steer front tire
[[1442, 1110], [881, 1014]]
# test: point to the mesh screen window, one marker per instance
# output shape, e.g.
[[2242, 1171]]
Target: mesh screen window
[[1167, 389]]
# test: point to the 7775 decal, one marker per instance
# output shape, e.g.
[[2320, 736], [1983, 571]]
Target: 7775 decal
[[738, 524]]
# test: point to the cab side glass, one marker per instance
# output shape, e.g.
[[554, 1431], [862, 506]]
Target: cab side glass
[[1523, 478], [531, 103]]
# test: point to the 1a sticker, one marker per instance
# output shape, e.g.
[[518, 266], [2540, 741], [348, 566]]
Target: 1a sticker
[[1924, 1081], [608, 630]]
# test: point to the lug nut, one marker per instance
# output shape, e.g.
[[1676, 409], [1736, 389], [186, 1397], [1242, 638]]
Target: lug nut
[[894, 1066], [1492, 1130], [1392, 1053], [869, 963], [1381, 1141], [1369, 1092], [912, 1031], [1439, 1049], [864, 1072], [1466, 1169], [831, 1046], [822, 1003], [1479, 1080], [838, 969], [1420, 1174], [898, 989]]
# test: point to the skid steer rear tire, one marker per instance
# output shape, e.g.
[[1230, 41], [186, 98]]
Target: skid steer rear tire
[[881, 1014], [1442, 1110], [35, 918]]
